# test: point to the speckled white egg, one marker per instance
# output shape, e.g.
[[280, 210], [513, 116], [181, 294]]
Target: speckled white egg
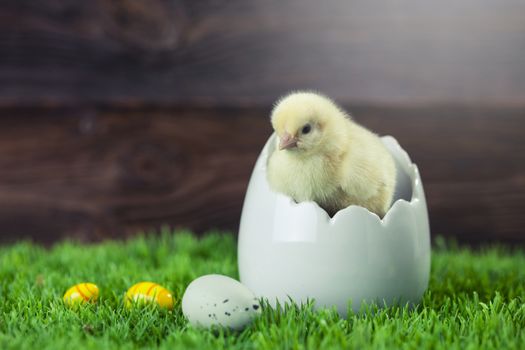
[[216, 300]]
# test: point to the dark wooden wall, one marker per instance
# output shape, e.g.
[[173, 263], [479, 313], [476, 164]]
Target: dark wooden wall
[[117, 116]]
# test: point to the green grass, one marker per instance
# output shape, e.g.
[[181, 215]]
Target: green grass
[[475, 300]]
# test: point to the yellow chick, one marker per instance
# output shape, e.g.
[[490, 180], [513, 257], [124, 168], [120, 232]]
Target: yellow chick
[[323, 156]]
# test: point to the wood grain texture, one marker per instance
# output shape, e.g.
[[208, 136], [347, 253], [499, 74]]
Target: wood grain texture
[[238, 52], [97, 174], [120, 115], [94, 173]]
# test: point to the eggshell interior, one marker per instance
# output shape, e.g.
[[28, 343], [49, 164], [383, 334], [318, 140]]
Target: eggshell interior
[[295, 251]]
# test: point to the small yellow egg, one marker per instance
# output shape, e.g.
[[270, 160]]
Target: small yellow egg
[[148, 292], [81, 293]]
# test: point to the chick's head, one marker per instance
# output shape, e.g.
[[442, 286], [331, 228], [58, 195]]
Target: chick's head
[[306, 122]]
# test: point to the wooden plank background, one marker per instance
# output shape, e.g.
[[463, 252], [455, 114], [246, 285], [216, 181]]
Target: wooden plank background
[[117, 116]]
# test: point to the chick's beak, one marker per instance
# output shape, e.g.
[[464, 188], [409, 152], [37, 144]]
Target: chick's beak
[[287, 141]]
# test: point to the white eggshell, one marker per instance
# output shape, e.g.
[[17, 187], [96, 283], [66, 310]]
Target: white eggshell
[[219, 300], [295, 251]]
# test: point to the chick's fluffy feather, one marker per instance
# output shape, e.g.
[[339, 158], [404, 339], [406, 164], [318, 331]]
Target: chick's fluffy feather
[[337, 163]]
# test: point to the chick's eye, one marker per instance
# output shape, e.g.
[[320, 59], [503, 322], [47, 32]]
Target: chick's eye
[[306, 129]]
